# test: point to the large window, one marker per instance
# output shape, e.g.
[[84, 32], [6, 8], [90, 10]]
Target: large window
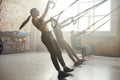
[[92, 17]]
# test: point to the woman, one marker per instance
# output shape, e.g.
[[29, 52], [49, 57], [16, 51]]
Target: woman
[[48, 40]]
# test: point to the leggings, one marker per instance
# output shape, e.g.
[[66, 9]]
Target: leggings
[[54, 50], [65, 46]]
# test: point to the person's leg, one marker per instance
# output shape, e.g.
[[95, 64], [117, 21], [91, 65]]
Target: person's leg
[[73, 54], [47, 40], [64, 47], [60, 58], [71, 51], [84, 54]]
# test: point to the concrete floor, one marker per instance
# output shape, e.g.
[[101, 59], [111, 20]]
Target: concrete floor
[[38, 66]]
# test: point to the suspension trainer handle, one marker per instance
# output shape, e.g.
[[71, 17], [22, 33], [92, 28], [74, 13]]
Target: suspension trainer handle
[[54, 22], [52, 4], [59, 14], [74, 21], [85, 11]]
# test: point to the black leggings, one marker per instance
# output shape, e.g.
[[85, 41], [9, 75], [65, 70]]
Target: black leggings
[[51, 44]]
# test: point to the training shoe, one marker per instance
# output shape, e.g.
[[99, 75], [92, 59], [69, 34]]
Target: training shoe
[[77, 63], [62, 75], [82, 60], [66, 69]]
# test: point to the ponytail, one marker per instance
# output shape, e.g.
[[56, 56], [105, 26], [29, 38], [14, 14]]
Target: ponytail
[[25, 22]]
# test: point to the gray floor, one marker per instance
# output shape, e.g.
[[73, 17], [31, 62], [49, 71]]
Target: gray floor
[[38, 66]]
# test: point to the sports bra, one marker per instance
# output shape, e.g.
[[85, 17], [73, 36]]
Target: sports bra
[[41, 20]]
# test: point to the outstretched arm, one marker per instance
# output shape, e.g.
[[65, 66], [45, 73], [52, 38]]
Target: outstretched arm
[[49, 20], [46, 10]]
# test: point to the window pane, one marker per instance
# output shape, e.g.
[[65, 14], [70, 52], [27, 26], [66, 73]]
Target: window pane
[[93, 15], [83, 23], [85, 6], [104, 26], [86, 0], [103, 8], [71, 27], [72, 11]]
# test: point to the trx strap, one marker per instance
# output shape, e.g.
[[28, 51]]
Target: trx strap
[[74, 21], [84, 31], [102, 18], [100, 26], [71, 20], [55, 21], [85, 12], [92, 7], [66, 8], [52, 4], [93, 30]]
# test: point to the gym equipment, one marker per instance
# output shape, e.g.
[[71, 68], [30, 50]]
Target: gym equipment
[[52, 3], [97, 22], [55, 21]]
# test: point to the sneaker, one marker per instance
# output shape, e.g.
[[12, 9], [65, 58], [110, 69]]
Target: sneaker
[[66, 69], [77, 63], [62, 75], [82, 60]]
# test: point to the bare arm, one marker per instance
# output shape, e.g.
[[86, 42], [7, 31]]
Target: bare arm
[[46, 11], [49, 20]]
